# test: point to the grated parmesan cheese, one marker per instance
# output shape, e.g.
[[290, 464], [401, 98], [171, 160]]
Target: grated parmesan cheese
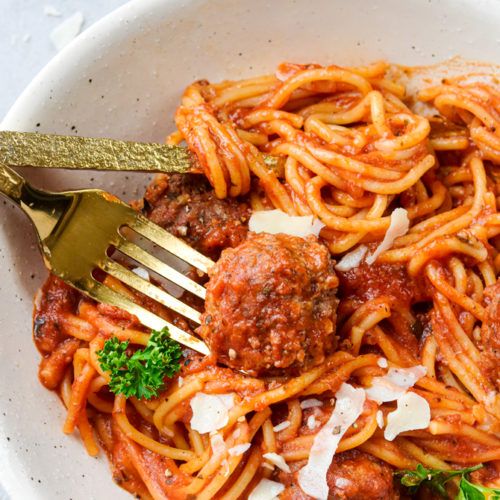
[[217, 444], [66, 31], [276, 221], [311, 422], [382, 362], [352, 259], [266, 490], [348, 407], [310, 403], [380, 419], [281, 426], [400, 223], [342, 483], [50, 10], [141, 272], [277, 460], [239, 449], [210, 411], [413, 412], [394, 384]]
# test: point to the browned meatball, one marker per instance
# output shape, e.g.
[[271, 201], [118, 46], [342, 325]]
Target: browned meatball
[[271, 304], [353, 475], [186, 206]]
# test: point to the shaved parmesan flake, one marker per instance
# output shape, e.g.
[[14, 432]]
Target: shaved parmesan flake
[[239, 449], [217, 444], [348, 407], [141, 272], [393, 385], [382, 362], [277, 460], [267, 466], [398, 227], [282, 426], [68, 30], [210, 411], [180, 381], [380, 419], [413, 412], [352, 259], [276, 221], [266, 490], [50, 10], [310, 403]]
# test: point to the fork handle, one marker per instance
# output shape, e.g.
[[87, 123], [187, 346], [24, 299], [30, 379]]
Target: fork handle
[[11, 183], [28, 149]]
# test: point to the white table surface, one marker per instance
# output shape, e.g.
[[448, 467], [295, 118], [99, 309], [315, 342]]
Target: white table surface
[[25, 46]]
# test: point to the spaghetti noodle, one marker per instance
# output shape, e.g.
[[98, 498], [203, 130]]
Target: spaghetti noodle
[[351, 150]]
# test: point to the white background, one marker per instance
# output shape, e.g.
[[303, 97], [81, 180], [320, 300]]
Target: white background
[[25, 46]]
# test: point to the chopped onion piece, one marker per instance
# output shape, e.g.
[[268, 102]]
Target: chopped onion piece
[[400, 223], [277, 460], [348, 407], [210, 411], [352, 259], [276, 221], [413, 413], [266, 490]]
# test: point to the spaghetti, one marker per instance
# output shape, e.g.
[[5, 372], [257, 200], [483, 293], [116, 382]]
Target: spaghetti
[[351, 150]]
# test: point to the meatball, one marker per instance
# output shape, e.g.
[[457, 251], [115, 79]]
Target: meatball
[[271, 304], [353, 475], [186, 206]]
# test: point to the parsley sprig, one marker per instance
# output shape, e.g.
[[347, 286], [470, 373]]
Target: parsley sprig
[[436, 479], [142, 374]]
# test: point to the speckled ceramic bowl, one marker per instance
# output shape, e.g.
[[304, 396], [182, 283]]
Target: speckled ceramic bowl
[[122, 78]]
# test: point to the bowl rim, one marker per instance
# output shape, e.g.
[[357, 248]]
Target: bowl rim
[[86, 42]]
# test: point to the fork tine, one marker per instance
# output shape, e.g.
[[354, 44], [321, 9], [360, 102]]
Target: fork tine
[[102, 293], [131, 279], [144, 258], [170, 243]]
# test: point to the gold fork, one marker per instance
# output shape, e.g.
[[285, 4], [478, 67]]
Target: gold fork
[[75, 231]]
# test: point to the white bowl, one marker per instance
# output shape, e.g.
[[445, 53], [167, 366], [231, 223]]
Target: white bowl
[[122, 78]]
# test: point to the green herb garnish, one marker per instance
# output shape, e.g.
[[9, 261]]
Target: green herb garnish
[[142, 374], [436, 479], [470, 491]]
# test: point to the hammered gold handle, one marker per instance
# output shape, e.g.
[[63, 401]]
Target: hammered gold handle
[[26, 149], [11, 183]]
